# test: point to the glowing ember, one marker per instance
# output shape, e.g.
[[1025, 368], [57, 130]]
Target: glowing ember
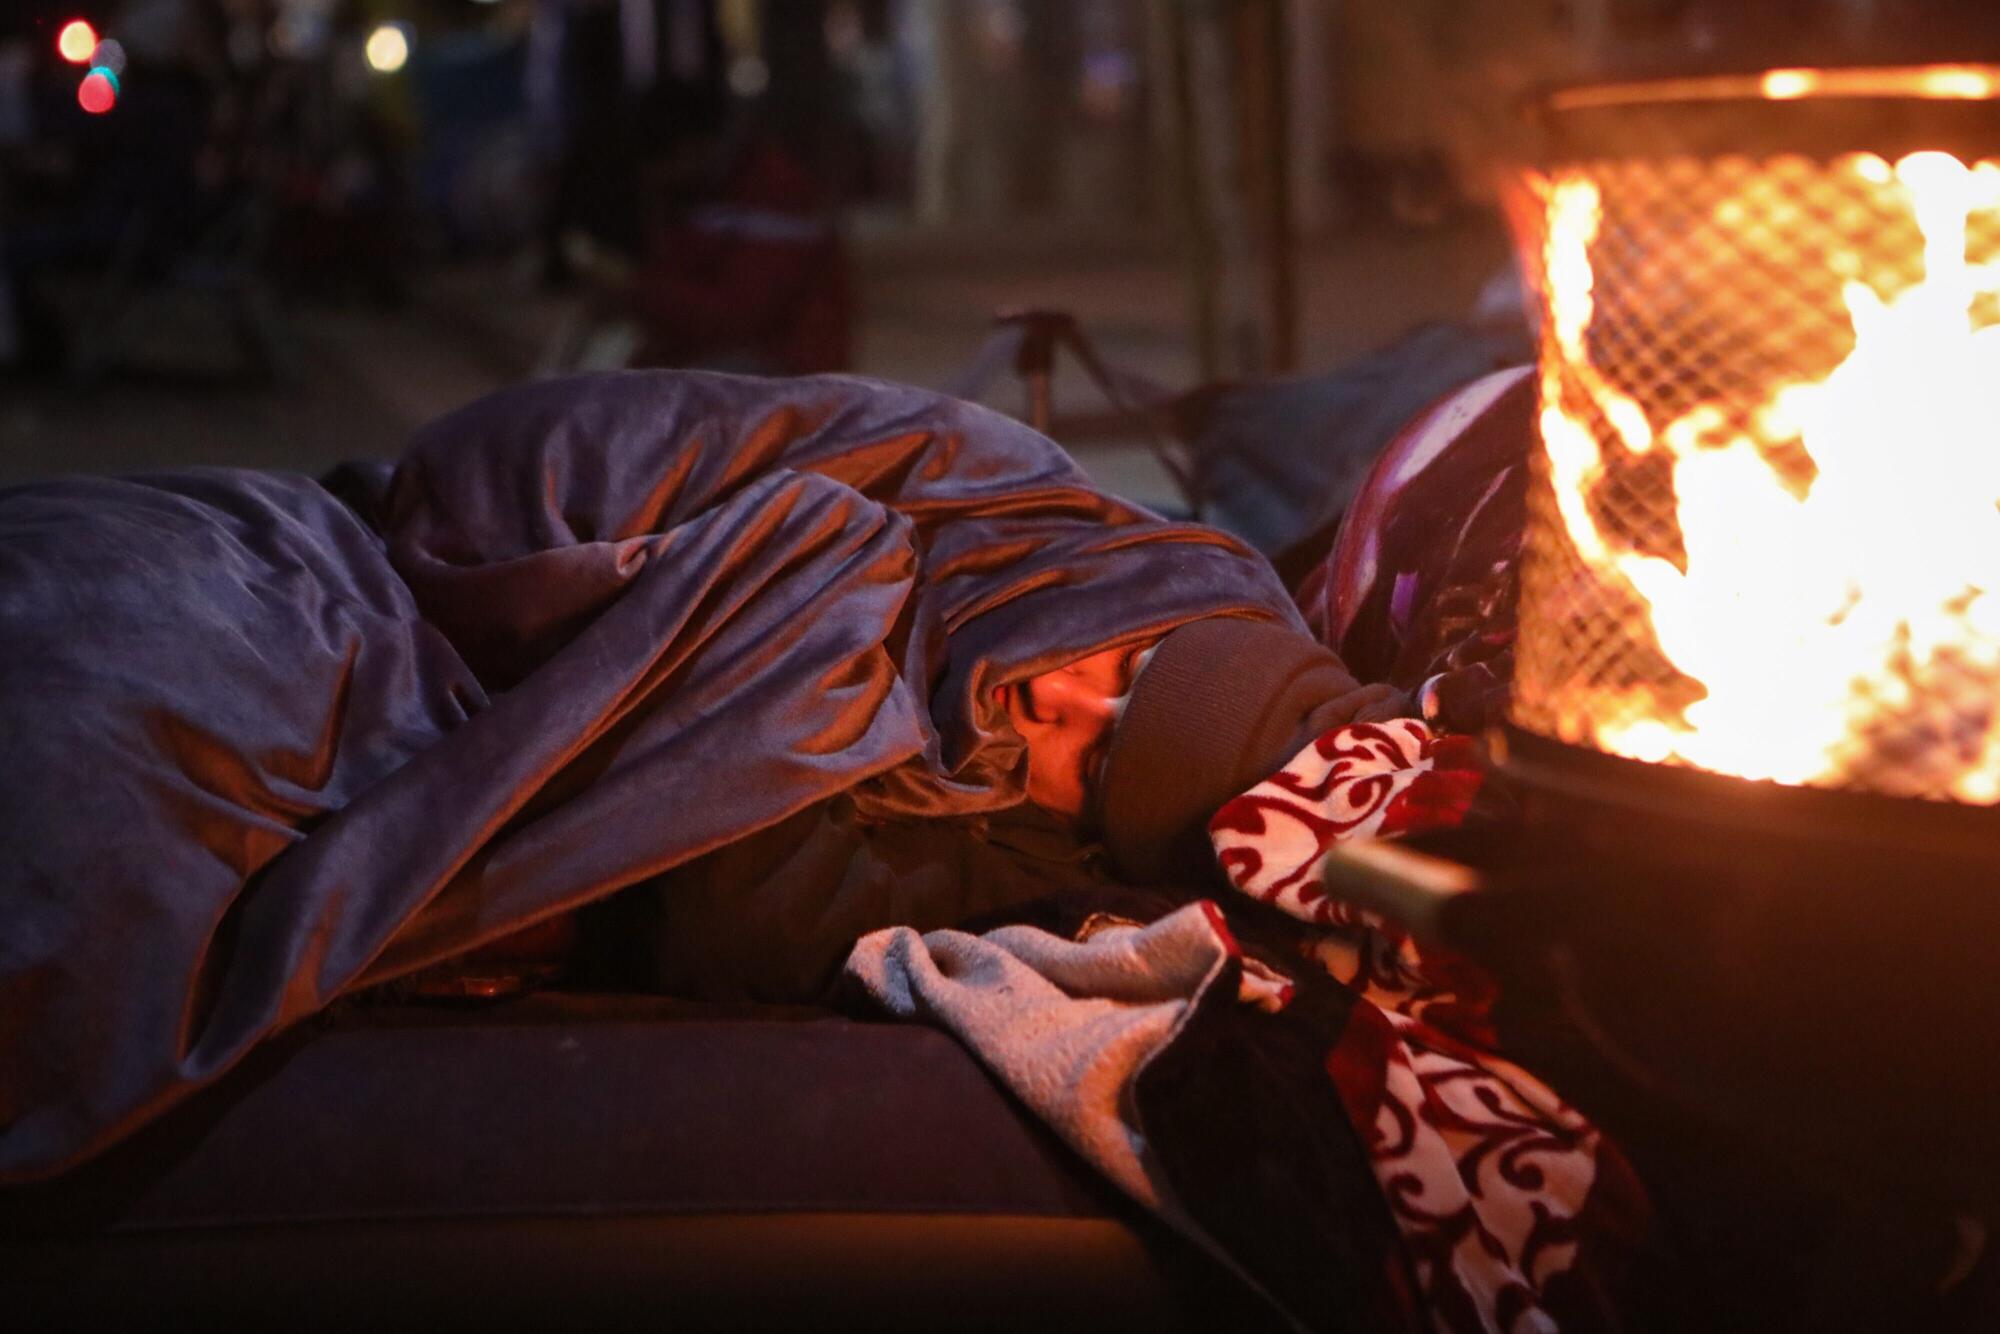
[[1830, 614]]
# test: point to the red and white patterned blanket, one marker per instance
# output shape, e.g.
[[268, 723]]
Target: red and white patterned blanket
[[1490, 1177]]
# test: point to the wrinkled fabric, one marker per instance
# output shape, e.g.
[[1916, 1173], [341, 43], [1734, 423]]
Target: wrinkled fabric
[[1070, 1026], [1184, 1059], [1420, 588], [771, 917], [1065, 1025], [1279, 461], [1313, 1096], [260, 754], [1514, 1208]]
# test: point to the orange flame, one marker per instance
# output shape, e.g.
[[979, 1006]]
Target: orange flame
[[1829, 619]]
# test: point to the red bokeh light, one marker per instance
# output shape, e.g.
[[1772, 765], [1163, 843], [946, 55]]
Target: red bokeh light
[[76, 41], [97, 94]]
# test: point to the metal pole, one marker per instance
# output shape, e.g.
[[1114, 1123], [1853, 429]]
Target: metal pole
[[1280, 253], [1197, 224]]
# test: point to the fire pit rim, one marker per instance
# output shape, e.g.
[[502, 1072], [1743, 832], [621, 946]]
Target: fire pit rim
[[1701, 797], [1941, 82], [1644, 119]]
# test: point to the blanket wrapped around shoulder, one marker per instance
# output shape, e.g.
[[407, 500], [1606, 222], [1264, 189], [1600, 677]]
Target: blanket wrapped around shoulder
[[264, 746]]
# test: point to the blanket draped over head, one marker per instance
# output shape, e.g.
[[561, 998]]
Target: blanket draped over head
[[263, 746]]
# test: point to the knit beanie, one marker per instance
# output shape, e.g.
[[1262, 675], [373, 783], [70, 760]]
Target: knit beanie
[[1221, 706]]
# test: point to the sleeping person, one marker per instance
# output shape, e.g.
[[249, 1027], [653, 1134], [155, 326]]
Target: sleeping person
[[747, 668], [1130, 751]]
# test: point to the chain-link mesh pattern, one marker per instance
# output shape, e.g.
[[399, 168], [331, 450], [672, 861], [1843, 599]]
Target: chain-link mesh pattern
[[1712, 282]]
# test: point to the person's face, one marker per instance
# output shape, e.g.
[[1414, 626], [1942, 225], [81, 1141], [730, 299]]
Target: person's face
[[1066, 716]]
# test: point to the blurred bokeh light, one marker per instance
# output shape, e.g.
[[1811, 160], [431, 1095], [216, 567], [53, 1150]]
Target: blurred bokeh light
[[76, 41], [98, 93], [388, 48]]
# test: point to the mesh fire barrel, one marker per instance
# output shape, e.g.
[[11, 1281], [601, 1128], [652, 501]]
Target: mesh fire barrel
[[1764, 532], [1756, 705]]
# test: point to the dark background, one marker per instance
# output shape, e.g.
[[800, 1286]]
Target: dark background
[[268, 253]]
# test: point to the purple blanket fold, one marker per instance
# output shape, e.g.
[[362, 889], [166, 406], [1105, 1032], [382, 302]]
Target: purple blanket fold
[[255, 753]]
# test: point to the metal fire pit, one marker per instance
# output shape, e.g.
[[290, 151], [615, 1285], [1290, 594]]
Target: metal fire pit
[[1756, 710], [1764, 397], [1815, 967]]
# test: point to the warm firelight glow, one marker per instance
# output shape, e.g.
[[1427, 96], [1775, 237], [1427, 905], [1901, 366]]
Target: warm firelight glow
[[1952, 81], [1784, 83], [1834, 613], [1933, 82]]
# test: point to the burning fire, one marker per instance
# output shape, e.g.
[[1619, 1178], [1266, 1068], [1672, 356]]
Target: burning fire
[[1842, 620]]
